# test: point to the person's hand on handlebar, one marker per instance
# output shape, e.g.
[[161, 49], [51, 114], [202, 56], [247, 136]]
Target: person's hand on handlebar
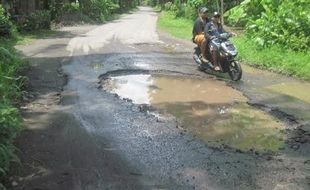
[[212, 37]]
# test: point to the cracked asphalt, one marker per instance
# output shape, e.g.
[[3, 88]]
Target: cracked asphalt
[[79, 136]]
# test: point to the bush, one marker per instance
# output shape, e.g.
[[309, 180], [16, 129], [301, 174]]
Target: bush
[[195, 3], [9, 116], [71, 14], [237, 16], [99, 10], [9, 65], [181, 10], [168, 6], [10, 128], [5, 26], [190, 12], [152, 3], [37, 20], [71, 8], [285, 22]]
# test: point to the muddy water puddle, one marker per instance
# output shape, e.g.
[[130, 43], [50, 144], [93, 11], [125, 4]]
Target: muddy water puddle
[[210, 110], [300, 91]]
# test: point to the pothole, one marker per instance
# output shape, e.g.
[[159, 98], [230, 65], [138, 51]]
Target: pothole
[[209, 109]]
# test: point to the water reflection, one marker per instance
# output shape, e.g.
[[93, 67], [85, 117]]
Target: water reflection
[[207, 108]]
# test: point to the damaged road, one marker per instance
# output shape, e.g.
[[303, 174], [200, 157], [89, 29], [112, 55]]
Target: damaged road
[[86, 130]]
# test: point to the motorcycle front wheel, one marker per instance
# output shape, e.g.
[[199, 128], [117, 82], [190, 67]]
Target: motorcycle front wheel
[[235, 71]]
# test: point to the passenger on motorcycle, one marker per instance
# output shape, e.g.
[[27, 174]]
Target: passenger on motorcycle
[[212, 31], [198, 31]]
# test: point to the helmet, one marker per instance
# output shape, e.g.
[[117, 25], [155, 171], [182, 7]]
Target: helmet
[[216, 14], [203, 10]]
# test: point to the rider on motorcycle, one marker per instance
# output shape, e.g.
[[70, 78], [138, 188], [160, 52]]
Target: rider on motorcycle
[[198, 31], [212, 31]]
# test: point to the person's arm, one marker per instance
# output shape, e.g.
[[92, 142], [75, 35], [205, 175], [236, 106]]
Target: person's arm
[[199, 27], [207, 31]]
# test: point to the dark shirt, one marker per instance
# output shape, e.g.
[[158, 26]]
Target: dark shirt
[[199, 26], [212, 30]]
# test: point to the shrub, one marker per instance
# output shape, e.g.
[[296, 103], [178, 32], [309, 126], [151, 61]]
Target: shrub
[[152, 3], [167, 6], [195, 3], [181, 10], [99, 10], [37, 20], [285, 22], [190, 12], [5, 26], [9, 65], [237, 16], [71, 8], [9, 116], [10, 128]]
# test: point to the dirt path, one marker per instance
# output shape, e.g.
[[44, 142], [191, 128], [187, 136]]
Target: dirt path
[[80, 137]]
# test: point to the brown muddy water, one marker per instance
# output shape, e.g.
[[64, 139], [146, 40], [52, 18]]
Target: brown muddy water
[[299, 90], [209, 109]]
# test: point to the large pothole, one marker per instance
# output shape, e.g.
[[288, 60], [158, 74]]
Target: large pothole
[[209, 109]]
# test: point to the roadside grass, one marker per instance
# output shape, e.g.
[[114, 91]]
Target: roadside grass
[[178, 27], [10, 94], [27, 37], [273, 58]]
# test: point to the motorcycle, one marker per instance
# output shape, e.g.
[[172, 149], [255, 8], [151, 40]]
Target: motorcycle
[[226, 55]]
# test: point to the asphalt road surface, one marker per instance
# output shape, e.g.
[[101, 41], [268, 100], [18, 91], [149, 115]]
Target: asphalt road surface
[[82, 136]]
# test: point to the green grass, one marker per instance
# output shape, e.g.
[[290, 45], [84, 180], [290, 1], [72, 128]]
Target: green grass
[[178, 27], [10, 93], [25, 38], [272, 58]]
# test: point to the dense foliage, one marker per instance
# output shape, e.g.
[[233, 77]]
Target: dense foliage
[[5, 26], [269, 22], [102, 10], [10, 63], [188, 8], [40, 19], [67, 12], [9, 115], [99, 9]]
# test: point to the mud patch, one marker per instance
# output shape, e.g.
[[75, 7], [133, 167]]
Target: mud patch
[[207, 108]]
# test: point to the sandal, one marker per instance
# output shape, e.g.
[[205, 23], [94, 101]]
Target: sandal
[[217, 68], [204, 60]]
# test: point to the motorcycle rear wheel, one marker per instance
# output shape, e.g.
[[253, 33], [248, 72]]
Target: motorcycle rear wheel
[[235, 71]]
